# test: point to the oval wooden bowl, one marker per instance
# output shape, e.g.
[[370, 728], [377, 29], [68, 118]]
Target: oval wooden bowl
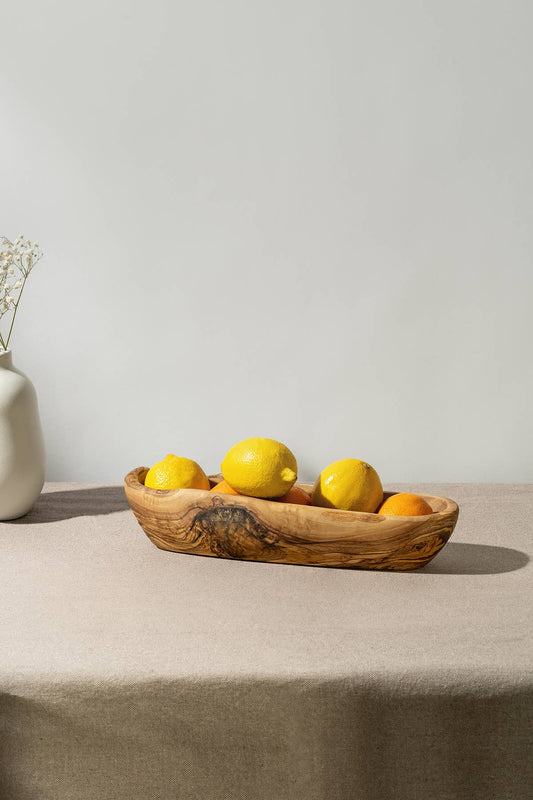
[[234, 526]]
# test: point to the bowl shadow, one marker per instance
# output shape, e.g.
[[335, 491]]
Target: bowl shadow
[[458, 558]]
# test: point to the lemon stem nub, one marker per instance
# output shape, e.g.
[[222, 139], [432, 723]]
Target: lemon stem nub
[[288, 475]]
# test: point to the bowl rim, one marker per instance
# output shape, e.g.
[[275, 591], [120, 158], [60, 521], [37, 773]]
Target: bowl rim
[[133, 482]]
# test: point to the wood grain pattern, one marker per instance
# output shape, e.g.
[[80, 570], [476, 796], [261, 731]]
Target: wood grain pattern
[[232, 526]]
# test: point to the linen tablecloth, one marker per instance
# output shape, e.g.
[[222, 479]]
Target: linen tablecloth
[[131, 673]]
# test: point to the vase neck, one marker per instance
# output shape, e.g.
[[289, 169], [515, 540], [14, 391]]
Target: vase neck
[[6, 359]]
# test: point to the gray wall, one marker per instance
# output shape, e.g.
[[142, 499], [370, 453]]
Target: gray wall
[[304, 220]]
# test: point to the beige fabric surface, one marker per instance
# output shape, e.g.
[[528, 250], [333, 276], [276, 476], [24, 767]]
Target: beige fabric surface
[[130, 673]]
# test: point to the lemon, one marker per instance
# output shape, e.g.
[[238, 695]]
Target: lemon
[[260, 468], [350, 485], [175, 472]]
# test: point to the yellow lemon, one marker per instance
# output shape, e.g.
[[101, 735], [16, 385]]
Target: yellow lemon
[[350, 485], [175, 472], [260, 468]]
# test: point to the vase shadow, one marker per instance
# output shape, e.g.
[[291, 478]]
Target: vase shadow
[[89, 502], [458, 558]]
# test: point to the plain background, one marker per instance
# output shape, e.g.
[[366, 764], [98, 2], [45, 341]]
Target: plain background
[[304, 220]]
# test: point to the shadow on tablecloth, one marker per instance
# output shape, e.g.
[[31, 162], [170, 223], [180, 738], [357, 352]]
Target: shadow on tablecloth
[[456, 558], [89, 502]]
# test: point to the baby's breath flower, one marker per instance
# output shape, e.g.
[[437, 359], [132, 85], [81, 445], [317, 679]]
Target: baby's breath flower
[[18, 256]]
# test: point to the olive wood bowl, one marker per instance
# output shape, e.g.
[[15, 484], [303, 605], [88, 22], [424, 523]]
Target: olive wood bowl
[[235, 526]]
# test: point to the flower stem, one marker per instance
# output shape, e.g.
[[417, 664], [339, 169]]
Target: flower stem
[[15, 313]]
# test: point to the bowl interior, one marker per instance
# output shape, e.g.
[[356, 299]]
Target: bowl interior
[[438, 504]]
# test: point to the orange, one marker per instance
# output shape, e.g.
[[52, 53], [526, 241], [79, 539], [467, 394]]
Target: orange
[[405, 504], [224, 488], [295, 495]]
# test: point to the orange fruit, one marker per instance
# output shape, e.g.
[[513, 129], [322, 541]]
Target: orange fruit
[[295, 495], [405, 504], [224, 488]]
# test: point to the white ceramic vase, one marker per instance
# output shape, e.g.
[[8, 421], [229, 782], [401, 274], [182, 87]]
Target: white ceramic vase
[[22, 456]]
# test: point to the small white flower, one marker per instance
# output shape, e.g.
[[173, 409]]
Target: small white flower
[[17, 257]]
